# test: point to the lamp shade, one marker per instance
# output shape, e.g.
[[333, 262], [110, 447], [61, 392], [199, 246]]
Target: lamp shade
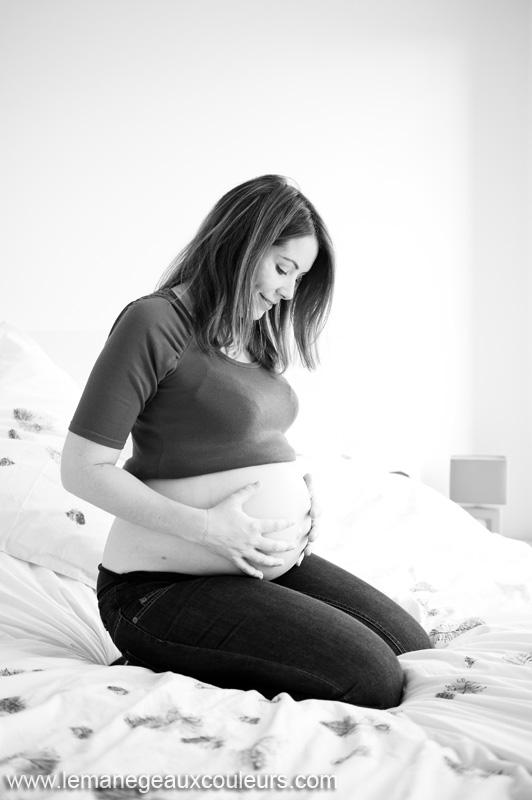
[[478, 480]]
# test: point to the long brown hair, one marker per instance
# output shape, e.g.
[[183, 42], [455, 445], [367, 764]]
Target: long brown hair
[[219, 263]]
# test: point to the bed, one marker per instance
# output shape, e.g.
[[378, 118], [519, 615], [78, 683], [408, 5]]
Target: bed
[[73, 724]]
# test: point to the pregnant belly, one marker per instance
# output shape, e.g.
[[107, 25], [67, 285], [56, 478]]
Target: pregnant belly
[[283, 494]]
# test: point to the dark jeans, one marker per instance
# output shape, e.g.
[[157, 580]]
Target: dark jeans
[[316, 632]]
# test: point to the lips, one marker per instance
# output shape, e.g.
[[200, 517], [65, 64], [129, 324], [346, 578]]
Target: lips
[[268, 303]]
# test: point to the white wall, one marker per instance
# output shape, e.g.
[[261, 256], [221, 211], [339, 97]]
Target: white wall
[[405, 121]]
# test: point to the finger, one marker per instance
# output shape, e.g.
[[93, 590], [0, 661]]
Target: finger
[[315, 507], [307, 477], [300, 559], [308, 550], [314, 533], [274, 546], [274, 525], [307, 525], [248, 569], [245, 492], [264, 560]]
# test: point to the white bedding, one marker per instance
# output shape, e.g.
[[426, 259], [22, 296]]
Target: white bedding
[[463, 730]]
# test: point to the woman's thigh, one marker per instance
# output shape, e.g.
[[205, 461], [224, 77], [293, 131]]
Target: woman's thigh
[[333, 585], [240, 632]]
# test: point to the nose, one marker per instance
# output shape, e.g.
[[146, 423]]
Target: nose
[[288, 287]]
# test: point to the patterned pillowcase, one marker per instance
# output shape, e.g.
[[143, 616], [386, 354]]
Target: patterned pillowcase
[[36, 396], [40, 521]]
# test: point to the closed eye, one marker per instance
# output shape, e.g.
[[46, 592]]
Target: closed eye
[[279, 270]]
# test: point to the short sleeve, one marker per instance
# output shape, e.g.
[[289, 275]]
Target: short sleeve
[[145, 344]]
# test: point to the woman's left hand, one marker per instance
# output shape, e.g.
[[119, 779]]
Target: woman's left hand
[[314, 516]]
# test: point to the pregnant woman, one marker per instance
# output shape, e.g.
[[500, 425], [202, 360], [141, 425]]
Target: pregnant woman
[[207, 568]]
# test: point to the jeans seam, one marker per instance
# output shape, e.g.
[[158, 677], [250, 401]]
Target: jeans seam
[[113, 632], [168, 643], [153, 596], [359, 615]]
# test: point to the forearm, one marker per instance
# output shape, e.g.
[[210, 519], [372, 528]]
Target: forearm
[[89, 471], [121, 494]]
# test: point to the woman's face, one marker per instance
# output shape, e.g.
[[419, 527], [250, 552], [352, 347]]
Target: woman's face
[[280, 271]]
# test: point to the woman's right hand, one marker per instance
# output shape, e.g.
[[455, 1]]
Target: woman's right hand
[[239, 538]]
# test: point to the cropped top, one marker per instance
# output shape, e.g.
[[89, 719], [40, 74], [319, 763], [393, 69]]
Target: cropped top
[[189, 412]]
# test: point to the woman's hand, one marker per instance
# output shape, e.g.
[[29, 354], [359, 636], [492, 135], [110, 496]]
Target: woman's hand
[[239, 538], [314, 516]]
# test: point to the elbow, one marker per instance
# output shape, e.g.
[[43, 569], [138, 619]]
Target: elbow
[[73, 470], [69, 478], [81, 467]]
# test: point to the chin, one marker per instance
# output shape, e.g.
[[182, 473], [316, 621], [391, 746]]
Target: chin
[[258, 313]]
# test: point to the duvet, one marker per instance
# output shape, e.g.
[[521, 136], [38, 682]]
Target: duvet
[[72, 725]]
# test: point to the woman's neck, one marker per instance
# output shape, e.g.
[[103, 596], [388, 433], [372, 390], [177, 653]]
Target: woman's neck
[[238, 354]]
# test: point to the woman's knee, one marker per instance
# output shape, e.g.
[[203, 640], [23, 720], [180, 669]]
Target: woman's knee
[[414, 637], [380, 685]]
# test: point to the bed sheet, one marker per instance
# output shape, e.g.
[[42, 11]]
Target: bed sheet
[[463, 730]]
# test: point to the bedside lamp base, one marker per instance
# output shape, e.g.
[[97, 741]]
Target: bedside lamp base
[[490, 516]]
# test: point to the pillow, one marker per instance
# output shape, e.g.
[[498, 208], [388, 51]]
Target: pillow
[[40, 521], [36, 396]]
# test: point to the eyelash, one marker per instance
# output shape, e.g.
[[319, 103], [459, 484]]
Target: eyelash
[[282, 272]]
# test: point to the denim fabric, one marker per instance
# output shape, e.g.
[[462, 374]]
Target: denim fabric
[[315, 632]]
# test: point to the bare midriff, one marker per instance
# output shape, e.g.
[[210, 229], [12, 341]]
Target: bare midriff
[[283, 494]]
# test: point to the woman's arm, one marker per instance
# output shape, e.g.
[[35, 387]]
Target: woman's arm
[[89, 471]]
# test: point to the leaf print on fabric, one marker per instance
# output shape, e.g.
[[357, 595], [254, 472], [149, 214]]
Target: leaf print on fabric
[[445, 633], [32, 762], [11, 705], [476, 772], [118, 690], [456, 766], [6, 462], [520, 591], [348, 725], [76, 516], [54, 454], [212, 742], [470, 661], [422, 586], [82, 732], [362, 751], [461, 686], [381, 727], [5, 673], [342, 727], [102, 792], [522, 659], [261, 754], [249, 720], [172, 716], [12, 434], [430, 612], [32, 422]]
